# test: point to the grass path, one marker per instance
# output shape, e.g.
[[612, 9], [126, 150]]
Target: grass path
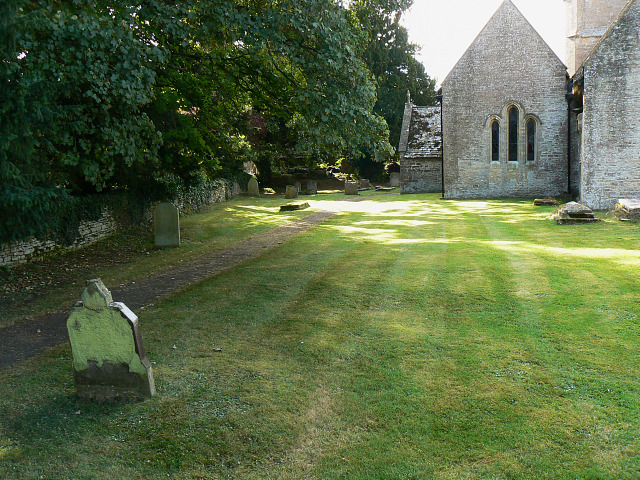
[[405, 338]]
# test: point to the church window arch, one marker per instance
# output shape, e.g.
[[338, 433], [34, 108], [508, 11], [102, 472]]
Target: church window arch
[[495, 140], [513, 116], [532, 133]]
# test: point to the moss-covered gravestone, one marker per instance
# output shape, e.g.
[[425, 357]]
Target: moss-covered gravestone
[[253, 189], [109, 362], [166, 225], [350, 188]]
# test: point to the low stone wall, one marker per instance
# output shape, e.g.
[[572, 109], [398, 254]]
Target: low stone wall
[[88, 232], [92, 231]]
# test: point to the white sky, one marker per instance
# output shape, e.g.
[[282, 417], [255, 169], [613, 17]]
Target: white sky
[[446, 28]]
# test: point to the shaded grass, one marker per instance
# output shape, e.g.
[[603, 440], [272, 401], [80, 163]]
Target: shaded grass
[[406, 338], [52, 284]]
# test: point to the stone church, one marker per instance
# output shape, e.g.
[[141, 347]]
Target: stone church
[[514, 121]]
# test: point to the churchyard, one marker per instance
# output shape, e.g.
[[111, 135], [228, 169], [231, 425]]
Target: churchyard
[[405, 337]]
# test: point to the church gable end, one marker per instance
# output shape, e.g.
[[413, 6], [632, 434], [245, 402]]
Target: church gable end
[[504, 114], [610, 134]]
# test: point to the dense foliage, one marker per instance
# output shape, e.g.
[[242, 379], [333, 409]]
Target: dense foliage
[[113, 96]]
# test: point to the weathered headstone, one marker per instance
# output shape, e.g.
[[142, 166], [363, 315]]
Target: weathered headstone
[[364, 183], [395, 179], [109, 362], [291, 192], [628, 209], [298, 185], [572, 213], [350, 188], [253, 189], [166, 225], [312, 187]]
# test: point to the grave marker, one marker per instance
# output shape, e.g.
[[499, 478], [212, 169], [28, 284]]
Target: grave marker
[[350, 188], [253, 189], [109, 362], [166, 225], [394, 179], [291, 192]]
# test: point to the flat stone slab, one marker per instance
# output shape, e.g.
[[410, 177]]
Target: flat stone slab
[[573, 213], [628, 209], [545, 202], [291, 207], [384, 189]]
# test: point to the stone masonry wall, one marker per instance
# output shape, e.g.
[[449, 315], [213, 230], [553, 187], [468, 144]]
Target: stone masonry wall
[[508, 64], [587, 21], [92, 231], [421, 175], [88, 232], [610, 133]]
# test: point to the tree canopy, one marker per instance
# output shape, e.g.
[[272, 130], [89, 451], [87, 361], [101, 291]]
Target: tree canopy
[[108, 95]]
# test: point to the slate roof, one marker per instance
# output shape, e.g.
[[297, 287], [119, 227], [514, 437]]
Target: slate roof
[[425, 133]]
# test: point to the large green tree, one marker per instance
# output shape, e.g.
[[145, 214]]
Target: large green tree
[[101, 95], [391, 58]]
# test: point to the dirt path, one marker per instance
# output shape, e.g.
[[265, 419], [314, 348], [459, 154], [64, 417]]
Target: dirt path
[[19, 342]]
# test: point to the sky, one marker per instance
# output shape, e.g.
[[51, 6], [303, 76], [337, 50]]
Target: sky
[[446, 28]]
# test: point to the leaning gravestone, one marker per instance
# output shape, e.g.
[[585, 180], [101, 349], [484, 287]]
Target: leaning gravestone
[[166, 225], [395, 179], [291, 192], [253, 188], [109, 362], [350, 188]]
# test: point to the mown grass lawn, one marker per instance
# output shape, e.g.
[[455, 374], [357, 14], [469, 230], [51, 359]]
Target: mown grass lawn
[[406, 338]]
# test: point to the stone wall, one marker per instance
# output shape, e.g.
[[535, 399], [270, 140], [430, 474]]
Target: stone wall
[[92, 231], [421, 175], [587, 21], [610, 133], [508, 65], [88, 232]]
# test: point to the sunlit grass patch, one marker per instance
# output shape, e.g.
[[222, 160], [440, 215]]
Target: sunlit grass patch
[[405, 338]]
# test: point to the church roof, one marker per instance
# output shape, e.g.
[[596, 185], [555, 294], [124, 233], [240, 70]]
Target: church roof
[[425, 133], [498, 22]]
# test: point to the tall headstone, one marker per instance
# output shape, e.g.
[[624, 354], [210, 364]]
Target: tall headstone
[[312, 187], [395, 179], [253, 188], [166, 225], [109, 361], [350, 188], [291, 192]]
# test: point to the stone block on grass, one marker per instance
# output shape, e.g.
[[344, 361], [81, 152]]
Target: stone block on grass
[[291, 192], [350, 188], [291, 207], [109, 361]]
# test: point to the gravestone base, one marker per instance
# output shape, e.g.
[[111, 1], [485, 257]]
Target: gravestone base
[[111, 382], [573, 213]]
